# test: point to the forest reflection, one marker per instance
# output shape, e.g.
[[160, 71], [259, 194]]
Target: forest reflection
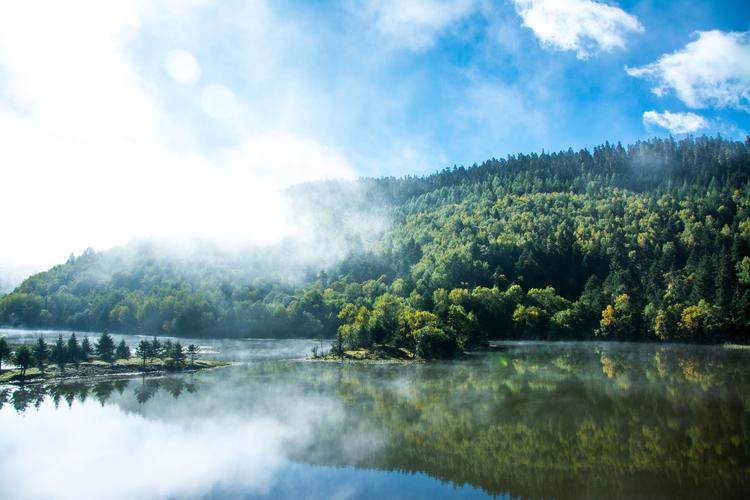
[[552, 421], [25, 397], [574, 420]]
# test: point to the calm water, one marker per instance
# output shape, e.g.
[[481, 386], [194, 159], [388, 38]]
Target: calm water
[[530, 420]]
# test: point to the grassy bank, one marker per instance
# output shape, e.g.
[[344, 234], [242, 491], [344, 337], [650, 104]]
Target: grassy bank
[[98, 368]]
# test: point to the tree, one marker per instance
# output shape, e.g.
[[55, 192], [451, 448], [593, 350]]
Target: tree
[[178, 354], [355, 332], [122, 351], [74, 350], [700, 319], [432, 342], [156, 348], [608, 321], [23, 358], [105, 347], [192, 351], [60, 353], [4, 351], [41, 353], [85, 349], [143, 351]]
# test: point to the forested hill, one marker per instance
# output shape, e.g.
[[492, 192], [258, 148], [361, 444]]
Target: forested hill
[[648, 242]]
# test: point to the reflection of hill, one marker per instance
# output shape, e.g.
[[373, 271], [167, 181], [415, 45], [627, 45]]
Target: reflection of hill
[[552, 421], [610, 423]]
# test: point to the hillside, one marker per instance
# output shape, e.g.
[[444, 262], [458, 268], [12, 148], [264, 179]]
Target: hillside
[[648, 242]]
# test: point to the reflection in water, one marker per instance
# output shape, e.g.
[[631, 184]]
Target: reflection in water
[[26, 396], [530, 420]]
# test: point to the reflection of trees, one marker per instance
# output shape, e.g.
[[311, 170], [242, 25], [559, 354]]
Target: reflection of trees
[[22, 398], [615, 421]]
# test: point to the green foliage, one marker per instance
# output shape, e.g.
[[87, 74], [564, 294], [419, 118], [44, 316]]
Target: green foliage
[[542, 246], [192, 351], [85, 349], [432, 342], [144, 351], [60, 353], [73, 350], [105, 347], [122, 351], [41, 353], [5, 351], [23, 358]]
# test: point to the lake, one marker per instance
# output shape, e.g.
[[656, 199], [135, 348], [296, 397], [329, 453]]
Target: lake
[[528, 420]]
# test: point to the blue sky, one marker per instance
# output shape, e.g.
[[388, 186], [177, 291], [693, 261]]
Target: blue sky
[[164, 117], [399, 91]]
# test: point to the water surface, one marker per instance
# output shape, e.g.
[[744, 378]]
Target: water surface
[[530, 420]]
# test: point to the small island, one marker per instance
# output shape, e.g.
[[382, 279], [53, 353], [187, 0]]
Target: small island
[[377, 353], [73, 359], [395, 332]]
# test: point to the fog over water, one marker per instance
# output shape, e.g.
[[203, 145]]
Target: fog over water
[[578, 420]]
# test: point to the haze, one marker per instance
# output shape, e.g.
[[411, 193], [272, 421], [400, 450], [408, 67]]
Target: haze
[[168, 118]]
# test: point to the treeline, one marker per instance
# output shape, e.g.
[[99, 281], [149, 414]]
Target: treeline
[[645, 242], [62, 353]]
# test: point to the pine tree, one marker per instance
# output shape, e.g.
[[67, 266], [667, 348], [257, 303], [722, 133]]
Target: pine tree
[[60, 353], [85, 349], [143, 351], [192, 352], [105, 347], [23, 358], [122, 351], [41, 353], [74, 350], [725, 281], [4, 351]]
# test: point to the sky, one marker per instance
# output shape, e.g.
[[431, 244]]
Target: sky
[[143, 118]]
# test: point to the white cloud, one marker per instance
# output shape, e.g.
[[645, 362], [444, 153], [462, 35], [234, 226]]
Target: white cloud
[[713, 71], [219, 102], [182, 67], [85, 160], [583, 26], [245, 455], [676, 123], [417, 23]]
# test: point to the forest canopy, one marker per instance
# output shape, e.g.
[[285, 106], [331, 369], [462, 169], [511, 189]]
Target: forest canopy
[[645, 242]]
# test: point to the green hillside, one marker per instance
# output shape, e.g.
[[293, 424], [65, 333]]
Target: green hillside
[[645, 242]]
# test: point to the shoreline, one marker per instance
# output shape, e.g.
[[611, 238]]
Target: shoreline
[[97, 369]]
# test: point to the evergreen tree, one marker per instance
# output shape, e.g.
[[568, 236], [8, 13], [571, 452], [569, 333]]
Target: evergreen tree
[[5, 351], [143, 351], [105, 347], [157, 349], [74, 350], [41, 353], [122, 351], [86, 349], [178, 354], [23, 358], [60, 353], [192, 351]]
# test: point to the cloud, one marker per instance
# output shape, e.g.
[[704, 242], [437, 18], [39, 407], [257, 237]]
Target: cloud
[[182, 67], [244, 454], [219, 102], [713, 71], [415, 24], [87, 156], [676, 123], [583, 26]]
